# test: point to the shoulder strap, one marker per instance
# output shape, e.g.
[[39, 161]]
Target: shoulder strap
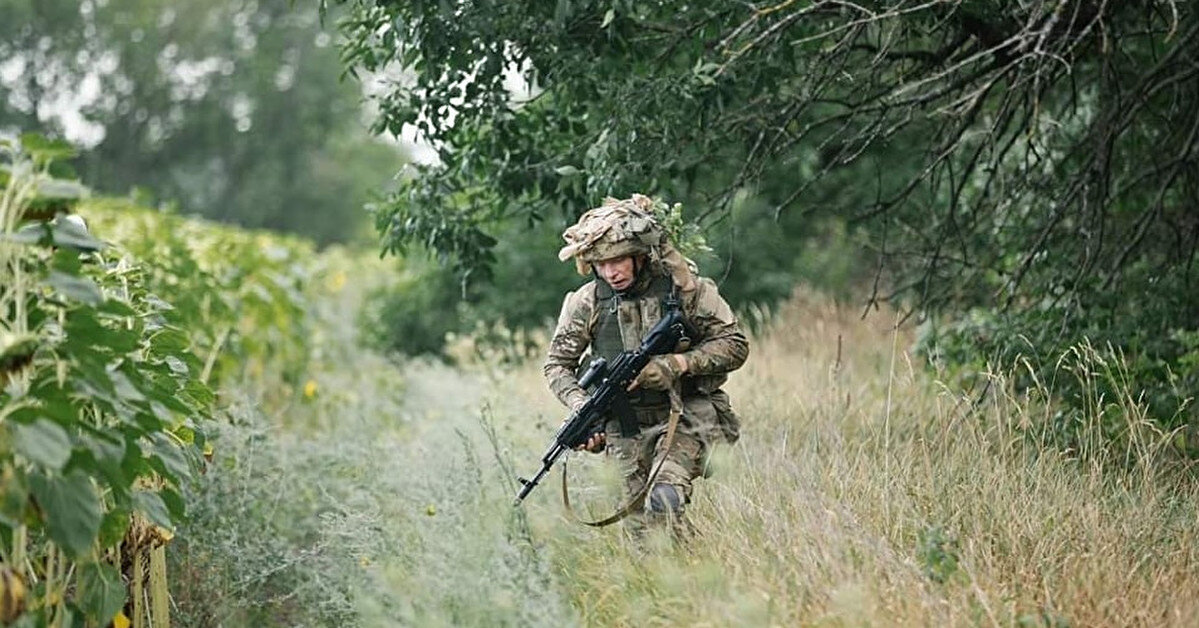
[[603, 292]]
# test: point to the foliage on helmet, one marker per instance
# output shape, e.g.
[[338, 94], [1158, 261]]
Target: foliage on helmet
[[687, 237], [639, 225]]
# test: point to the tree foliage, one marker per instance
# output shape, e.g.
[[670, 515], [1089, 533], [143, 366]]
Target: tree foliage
[[233, 109], [1004, 120], [1035, 159]]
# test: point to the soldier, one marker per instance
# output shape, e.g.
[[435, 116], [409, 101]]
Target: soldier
[[638, 273]]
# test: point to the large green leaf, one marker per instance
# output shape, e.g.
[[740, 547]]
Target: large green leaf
[[114, 526], [71, 509], [169, 340], [43, 149], [168, 458], [83, 327], [101, 591], [101, 455], [135, 463], [75, 288], [199, 392], [154, 508], [174, 502], [42, 442], [55, 401], [14, 497], [114, 307], [105, 447], [61, 189], [90, 378], [29, 234], [65, 233], [124, 385]]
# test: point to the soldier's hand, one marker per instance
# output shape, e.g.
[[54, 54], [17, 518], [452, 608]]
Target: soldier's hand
[[661, 372], [595, 444]]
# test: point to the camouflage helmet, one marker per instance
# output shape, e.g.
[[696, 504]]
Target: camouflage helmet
[[614, 229]]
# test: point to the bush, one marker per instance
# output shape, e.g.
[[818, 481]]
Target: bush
[[1148, 344], [413, 316], [523, 292], [264, 542]]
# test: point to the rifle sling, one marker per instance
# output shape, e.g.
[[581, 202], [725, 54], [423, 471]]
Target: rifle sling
[[676, 410]]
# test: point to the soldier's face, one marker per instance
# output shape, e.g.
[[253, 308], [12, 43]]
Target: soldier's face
[[617, 271]]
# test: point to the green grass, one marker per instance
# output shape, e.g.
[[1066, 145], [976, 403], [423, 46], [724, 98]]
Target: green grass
[[863, 492]]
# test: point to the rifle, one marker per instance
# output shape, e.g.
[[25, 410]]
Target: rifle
[[609, 394]]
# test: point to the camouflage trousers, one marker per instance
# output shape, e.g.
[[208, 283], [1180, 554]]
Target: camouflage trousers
[[685, 461]]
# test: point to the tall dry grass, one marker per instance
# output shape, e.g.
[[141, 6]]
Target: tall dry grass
[[865, 493], [862, 492]]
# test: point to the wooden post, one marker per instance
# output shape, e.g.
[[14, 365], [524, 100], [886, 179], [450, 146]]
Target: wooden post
[[160, 603]]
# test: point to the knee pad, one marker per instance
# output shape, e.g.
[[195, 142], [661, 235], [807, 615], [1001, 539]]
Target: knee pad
[[665, 499]]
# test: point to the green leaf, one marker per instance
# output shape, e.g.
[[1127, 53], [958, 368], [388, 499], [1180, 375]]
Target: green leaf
[[14, 496], [124, 386], [173, 460], [55, 404], [114, 526], [29, 234], [104, 443], [43, 149], [175, 504], [102, 592], [176, 365], [88, 376], [169, 340], [199, 391], [153, 507], [71, 510], [185, 434], [66, 233], [117, 308], [61, 189], [567, 171], [107, 449], [83, 327], [43, 442], [134, 464], [75, 288]]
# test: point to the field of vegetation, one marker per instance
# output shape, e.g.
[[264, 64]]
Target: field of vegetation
[[862, 493], [194, 431], [961, 235]]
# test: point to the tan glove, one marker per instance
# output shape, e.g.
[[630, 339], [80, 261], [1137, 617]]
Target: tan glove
[[661, 372]]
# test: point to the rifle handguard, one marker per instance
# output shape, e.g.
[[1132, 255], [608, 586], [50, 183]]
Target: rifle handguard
[[611, 381]]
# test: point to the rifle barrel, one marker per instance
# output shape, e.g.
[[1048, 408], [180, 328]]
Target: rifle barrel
[[546, 463]]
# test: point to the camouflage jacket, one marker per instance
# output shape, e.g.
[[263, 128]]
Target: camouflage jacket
[[719, 345]]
